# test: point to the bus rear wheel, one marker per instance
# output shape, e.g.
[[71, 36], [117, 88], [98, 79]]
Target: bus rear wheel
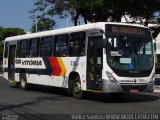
[[76, 88], [17, 84], [23, 81]]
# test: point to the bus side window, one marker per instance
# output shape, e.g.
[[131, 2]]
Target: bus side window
[[61, 45], [77, 44], [23, 48], [33, 47], [46, 44], [6, 50]]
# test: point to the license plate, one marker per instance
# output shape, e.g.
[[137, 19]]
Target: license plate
[[134, 90]]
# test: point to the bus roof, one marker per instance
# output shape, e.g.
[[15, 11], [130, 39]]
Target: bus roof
[[98, 25]]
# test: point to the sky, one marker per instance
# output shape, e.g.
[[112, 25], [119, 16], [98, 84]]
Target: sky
[[15, 14]]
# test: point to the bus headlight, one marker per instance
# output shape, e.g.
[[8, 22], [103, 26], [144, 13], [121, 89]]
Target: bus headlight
[[111, 77]]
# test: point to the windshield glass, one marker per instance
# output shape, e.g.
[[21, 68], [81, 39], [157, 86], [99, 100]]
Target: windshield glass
[[129, 52]]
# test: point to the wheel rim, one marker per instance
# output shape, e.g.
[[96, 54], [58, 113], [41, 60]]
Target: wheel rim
[[77, 88], [23, 83]]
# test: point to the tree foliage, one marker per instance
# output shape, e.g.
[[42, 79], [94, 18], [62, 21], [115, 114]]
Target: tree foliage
[[102, 10], [8, 32], [43, 24]]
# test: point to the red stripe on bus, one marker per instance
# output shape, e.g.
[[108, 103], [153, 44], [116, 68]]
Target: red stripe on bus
[[56, 69]]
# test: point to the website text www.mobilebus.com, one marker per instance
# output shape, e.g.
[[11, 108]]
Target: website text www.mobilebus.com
[[115, 116]]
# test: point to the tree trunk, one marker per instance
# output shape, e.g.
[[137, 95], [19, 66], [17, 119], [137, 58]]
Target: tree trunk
[[118, 18], [146, 22], [76, 19], [85, 19]]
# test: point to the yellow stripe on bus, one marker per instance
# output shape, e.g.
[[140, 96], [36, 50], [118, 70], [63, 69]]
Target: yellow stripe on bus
[[62, 66]]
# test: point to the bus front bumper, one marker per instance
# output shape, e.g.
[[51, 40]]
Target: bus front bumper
[[109, 87]]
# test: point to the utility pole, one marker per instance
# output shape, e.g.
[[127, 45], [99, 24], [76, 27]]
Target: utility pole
[[36, 17]]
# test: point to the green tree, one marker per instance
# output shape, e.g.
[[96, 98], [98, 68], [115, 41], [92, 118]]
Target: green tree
[[102, 10], [43, 25], [47, 9], [8, 32], [144, 11]]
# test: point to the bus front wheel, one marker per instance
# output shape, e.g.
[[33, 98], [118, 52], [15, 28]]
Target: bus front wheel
[[23, 81], [76, 88]]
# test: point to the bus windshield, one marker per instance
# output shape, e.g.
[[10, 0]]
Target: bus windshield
[[129, 52]]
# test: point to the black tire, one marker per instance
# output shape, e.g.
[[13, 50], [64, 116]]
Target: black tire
[[17, 84], [23, 81], [76, 88], [117, 95], [69, 90]]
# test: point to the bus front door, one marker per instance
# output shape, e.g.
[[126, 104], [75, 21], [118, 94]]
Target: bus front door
[[94, 63], [11, 62]]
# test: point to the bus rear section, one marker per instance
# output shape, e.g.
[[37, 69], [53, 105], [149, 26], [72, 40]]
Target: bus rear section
[[129, 64]]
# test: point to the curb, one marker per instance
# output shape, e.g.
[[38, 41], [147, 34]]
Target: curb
[[11, 81]]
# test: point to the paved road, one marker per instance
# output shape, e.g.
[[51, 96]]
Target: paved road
[[44, 100]]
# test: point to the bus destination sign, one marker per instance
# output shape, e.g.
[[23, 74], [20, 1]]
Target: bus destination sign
[[126, 29]]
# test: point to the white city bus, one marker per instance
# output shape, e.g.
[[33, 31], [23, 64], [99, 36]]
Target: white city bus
[[101, 57]]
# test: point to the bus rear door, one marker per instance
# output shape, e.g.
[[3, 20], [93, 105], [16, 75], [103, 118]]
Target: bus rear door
[[11, 62]]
